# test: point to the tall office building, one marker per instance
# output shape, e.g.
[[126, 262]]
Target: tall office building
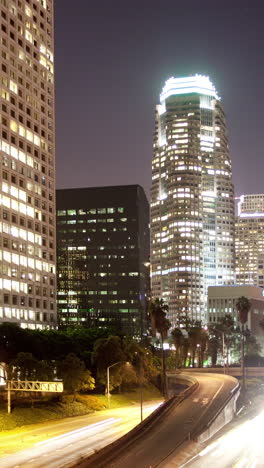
[[27, 192], [249, 240], [103, 257], [192, 205]]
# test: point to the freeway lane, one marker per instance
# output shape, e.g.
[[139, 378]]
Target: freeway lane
[[158, 444], [241, 447], [83, 435]]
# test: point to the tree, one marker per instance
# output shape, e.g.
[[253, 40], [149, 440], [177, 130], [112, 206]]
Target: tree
[[203, 341], [178, 338], [194, 333], [213, 347], [74, 374], [24, 367], [158, 314], [108, 351], [223, 334], [243, 306], [12, 340]]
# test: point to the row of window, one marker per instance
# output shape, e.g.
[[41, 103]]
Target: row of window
[[28, 301], [90, 211]]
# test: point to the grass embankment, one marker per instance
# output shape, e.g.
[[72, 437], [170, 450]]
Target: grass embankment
[[43, 411]]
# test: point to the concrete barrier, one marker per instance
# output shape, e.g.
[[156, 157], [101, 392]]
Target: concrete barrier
[[233, 371], [224, 415]]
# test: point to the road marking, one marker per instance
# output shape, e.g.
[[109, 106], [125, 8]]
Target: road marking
[[205, 401]]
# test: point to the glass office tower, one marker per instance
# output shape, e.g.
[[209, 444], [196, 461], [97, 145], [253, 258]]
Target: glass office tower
[[249, 240], [27, 192], [103, 258], [192, 199]]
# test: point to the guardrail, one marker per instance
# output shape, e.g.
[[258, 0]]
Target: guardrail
[[107, 454], [198, 433], [233, 371]]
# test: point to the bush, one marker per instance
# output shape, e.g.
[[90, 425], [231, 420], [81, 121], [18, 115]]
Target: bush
[[91, 402]]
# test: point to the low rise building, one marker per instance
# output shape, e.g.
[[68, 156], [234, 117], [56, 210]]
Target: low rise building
[[222, 300]]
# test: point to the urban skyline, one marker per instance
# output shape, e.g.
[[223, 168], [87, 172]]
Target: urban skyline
[[119, 348]]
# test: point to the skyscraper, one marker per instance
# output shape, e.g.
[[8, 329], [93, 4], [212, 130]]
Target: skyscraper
[[27, 224], [103, 257], [249, 240], [192, 205]]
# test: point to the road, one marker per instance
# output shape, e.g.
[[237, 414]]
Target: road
[[60, 443], [241, 447], [159, 443]]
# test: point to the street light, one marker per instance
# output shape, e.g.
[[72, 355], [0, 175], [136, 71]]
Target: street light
[[108, 378]]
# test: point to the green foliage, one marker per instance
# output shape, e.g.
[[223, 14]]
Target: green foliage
[[12, 340], [48, 344], [243, 307], [27, 367], [107, 351], [159, 321], [92, 402], [84, 404], [23, 415], [191, 342], [75, 375]]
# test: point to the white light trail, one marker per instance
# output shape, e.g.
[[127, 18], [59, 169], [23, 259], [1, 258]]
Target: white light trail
[[82, 430]]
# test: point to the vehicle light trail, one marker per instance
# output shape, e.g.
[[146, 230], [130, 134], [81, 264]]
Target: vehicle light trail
[[78, 432]]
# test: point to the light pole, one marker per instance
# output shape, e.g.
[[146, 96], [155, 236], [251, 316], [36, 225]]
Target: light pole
[[108, 378]]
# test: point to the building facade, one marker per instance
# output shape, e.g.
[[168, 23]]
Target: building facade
[[249, 240], [222, 300], [27, 214], [103, 258], [192, 204]]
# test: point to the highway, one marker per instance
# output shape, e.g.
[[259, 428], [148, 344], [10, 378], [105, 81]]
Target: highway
[[61, 443], [241, 447], [160, 441]]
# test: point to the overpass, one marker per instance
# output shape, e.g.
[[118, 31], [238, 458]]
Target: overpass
[[233, 371]]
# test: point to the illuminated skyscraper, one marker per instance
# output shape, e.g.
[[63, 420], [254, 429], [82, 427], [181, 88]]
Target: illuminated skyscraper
[[192, 204], [27, 192], [249, 240]]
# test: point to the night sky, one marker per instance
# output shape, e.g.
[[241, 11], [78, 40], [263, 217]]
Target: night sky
[[112, 59]]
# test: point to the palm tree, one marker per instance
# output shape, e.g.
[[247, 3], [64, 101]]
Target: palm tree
[[194, 334], [227, 324], [177, 337], [158, 314], [243, 306], [204, 338]]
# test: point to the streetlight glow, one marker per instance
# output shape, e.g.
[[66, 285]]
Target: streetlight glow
[[108, 378]]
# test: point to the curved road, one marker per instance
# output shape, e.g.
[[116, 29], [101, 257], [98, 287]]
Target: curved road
[[158, 444]]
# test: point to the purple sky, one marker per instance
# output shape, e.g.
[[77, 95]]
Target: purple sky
[[112, 59]]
